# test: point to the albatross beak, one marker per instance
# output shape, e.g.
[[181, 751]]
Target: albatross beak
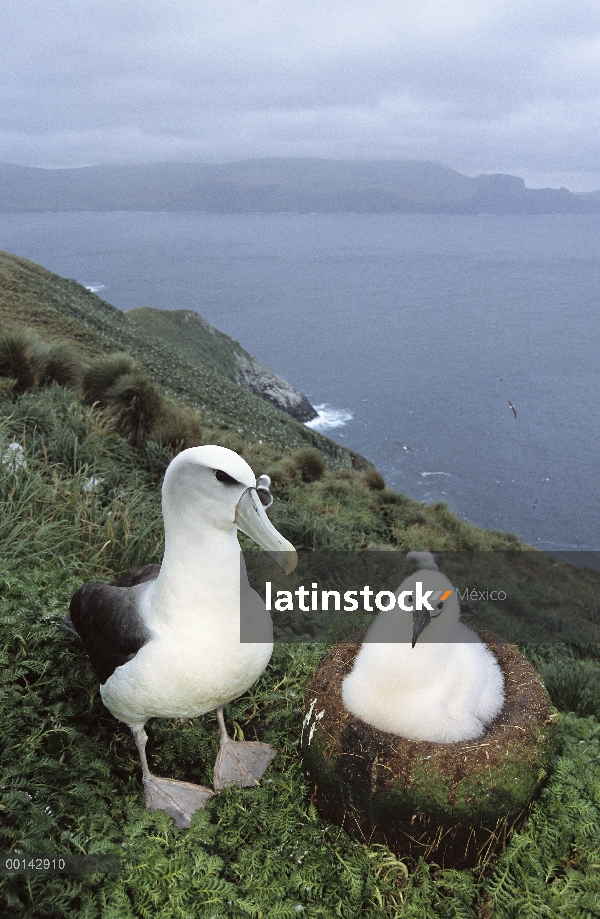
[[421, 618], [251, 519]]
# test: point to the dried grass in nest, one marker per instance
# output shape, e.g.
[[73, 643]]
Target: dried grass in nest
[[455, 804]]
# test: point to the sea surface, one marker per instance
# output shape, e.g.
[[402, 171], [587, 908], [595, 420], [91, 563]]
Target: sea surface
[[413, 334]]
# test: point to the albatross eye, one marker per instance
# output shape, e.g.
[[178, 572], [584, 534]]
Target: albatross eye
[[439, 606], [221, 476]]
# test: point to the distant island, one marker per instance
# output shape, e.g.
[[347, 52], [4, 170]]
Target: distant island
[[298, 186]]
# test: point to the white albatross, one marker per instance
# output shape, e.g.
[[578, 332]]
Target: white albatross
[[445, 687], [164, 640]]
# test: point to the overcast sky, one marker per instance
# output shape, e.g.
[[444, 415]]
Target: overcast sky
[[477, 85]]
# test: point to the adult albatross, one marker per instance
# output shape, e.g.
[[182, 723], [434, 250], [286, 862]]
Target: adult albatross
[[164, 640]]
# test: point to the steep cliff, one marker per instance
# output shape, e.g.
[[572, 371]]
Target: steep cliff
[[193, 335]]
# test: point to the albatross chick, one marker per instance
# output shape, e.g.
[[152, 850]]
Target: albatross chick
[[422, 674]]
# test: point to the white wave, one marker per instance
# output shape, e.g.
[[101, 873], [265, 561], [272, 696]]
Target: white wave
[[94, 288], [436, 473], [329, 417]]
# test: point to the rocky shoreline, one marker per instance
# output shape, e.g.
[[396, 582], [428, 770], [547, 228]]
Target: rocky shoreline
[[264, 383]]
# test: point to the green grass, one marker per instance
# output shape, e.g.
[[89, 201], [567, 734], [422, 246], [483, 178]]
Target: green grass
[[69, 770], [70, 782], [56, 309], [69, 774]]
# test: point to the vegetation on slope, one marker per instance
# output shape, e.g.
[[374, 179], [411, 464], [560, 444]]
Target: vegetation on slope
[[61, 310], [191, 335], [80, 502]]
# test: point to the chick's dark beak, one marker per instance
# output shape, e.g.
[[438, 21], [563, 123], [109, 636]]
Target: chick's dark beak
[[421, 619]]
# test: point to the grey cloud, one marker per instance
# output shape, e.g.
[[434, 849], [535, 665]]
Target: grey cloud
[[481, 85]]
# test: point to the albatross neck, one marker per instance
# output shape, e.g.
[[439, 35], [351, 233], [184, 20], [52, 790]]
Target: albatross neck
[[200, 572]]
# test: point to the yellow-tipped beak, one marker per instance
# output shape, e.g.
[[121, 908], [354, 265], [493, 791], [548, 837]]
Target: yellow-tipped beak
[[251, 519]]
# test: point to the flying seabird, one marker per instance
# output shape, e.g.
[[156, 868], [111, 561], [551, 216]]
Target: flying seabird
[[444, 688], [513, 408], [164, 640]]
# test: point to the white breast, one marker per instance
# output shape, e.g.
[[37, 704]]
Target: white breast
[[437, 692], [170, 680], [191, 669]]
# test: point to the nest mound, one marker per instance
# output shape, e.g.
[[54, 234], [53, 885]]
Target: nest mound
[[455, 804]]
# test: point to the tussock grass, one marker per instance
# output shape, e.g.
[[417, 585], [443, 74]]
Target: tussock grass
[[374, 480], [30, 363], [134, 406], [104, 373], [62, 366], [21, 359], [178, 427], [309, 463], [46, 514]]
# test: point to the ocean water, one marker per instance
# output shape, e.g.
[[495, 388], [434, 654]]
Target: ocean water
[[411, 333]]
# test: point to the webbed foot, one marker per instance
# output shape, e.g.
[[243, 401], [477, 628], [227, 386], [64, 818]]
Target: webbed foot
[[179, 799], [241, 763]]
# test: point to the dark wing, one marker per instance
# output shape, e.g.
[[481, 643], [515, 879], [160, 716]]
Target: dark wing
[[128, 579], [109, 625], [136, 576]]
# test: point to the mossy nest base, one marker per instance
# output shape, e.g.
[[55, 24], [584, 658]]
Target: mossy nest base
[[454, 804]]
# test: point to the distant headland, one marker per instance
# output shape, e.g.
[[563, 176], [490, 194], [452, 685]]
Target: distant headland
[[282, 185]]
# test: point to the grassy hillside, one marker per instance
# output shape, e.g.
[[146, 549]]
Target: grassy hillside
[[190, 334], [201, 377], [69, 774]]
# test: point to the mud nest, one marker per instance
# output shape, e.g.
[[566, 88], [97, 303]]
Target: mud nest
[[454, 804]]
